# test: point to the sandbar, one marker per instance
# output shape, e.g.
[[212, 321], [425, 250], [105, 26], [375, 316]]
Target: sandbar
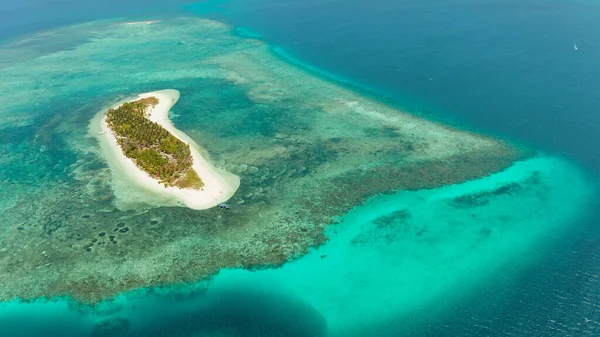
[[149, 22]]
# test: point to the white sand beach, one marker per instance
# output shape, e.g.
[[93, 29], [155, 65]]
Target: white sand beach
[[142, 22], [219, 185]]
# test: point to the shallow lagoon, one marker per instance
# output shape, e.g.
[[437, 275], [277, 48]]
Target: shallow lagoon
[[386, 262]]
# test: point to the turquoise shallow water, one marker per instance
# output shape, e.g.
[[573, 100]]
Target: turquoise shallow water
[[409, 263], [501, 66], [413, 253], [391, 265]]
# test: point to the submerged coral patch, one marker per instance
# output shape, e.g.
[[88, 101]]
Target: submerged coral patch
[[307, 150]]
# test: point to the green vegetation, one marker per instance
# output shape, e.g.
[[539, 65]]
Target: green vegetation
[[151, 147]]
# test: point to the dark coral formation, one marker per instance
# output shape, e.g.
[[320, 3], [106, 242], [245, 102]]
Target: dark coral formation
[[289, 226], [484, 198], [307, 151], [116, 327]]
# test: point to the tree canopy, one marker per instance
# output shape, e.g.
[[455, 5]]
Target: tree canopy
[[152, 147]]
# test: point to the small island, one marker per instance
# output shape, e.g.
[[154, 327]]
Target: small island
[[157, 157], [151, 146]]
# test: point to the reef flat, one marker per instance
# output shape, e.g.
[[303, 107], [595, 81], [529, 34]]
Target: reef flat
[[307, 150], [390, 265]]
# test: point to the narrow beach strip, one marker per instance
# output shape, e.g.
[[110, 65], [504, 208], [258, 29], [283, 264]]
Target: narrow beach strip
[[219, 185]]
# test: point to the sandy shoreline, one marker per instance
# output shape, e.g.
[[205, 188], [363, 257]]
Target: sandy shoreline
[[149, 22], [219, 185]]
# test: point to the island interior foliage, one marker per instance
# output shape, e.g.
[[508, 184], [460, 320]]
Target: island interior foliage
[[151, 147]]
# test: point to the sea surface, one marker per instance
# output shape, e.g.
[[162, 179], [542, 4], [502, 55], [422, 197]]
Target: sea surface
[[521, 70]]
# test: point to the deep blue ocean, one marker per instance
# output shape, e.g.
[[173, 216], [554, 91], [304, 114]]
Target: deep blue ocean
[[506, 67], [524, 70]]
